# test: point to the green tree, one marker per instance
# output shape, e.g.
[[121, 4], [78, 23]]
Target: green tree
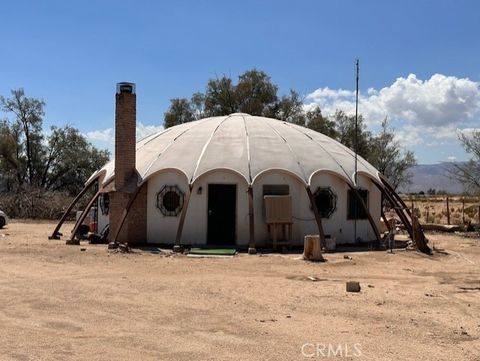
[[63, 161], [254, 94], [290, 109], [386, 154], [220, 97], [179, 112], [70, 160], [345, 131], [321, 124], [468, 173], [26, 130]]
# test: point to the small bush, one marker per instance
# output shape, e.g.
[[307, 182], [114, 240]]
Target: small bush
[[36, 203]]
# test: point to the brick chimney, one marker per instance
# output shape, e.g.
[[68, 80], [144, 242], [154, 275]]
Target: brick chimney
[[135, 226], [125, 138]]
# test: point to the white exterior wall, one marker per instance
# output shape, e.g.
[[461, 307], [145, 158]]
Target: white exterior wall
[[304, 220], [338, 225], [162, 229], [195, 229], [103, 219]]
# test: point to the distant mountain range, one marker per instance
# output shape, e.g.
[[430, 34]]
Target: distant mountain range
[[426, 176]]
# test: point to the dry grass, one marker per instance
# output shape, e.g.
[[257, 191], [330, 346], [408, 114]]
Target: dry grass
[[433, 209], [60, 303]]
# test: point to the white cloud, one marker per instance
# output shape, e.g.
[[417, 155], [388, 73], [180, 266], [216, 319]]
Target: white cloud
[[146, 130], [108, 135], [439, 101], [105, 135]]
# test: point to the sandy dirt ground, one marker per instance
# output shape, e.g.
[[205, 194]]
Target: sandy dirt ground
[[58, 302]]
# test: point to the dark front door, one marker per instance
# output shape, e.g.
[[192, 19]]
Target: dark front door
[[222, 200]]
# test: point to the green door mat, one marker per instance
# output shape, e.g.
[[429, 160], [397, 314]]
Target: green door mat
[[213, 251]]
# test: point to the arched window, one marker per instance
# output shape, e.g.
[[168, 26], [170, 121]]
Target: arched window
[[326, 201], [170, 201]]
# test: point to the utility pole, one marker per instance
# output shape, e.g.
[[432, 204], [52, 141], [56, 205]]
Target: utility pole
[[355, 141]]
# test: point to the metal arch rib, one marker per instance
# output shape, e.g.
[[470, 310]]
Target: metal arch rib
[[205, 146], [321, 146], [291, 151]]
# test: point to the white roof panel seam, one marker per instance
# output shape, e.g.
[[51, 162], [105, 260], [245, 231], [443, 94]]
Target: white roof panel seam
[[323, 148], [248, 149], [205, 147], [165, 148], [291, 151]]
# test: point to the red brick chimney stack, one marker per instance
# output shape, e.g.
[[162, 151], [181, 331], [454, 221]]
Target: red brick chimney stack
[[125, 134]]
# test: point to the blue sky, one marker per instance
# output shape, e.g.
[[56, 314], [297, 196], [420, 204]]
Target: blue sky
[[419, 59]]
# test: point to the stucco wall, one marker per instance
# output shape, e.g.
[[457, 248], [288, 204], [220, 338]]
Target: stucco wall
[[338, 225], [162, 229]]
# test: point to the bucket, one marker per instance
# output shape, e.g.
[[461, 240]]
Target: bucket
[[330, 244]]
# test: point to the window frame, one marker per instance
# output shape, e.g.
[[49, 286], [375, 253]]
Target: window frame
[[360, 213], [160, 200], [333, 197]]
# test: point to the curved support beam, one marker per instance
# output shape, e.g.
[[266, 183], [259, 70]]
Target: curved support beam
[[414, 229], [369, 215], [387, 224], [84, 214], [399, 210], [417, 230], [396, 196], [56, 234], [318, 218], [251, 218], [181, 222], [126, 211]]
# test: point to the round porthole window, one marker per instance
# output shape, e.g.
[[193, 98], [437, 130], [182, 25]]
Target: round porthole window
[[170, 201], [326, 201]]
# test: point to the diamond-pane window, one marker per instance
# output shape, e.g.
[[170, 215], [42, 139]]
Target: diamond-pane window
[[170, 201]]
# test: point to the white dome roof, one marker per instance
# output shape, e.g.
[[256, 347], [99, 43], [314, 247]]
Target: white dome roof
[[245, 144]]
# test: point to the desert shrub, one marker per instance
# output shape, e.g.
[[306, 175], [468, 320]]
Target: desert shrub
[[471, 211], [37, 203], [456, 218], [416, 212]]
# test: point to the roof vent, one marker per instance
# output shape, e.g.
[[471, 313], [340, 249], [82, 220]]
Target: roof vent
[[125, 88]]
